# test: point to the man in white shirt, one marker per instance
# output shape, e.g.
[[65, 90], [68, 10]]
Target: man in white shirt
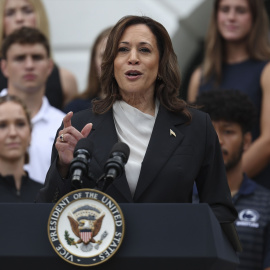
[[27, 64]]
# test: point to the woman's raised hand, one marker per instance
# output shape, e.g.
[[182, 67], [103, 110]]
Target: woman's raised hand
[[66, 142]]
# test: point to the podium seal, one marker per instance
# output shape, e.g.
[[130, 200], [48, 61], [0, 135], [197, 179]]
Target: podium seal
[[86, 227]]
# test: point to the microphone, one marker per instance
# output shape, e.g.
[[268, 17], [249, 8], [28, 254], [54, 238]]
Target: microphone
[[79, 165], [114, 166]]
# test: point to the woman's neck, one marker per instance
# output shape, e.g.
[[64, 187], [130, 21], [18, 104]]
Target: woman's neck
[[142, 103], [236, 52]]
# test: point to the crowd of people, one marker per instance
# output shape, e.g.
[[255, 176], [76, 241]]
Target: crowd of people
[[212, 148], [237, 57]]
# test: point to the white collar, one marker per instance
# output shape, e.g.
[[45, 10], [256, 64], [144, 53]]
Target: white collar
[[3, 92], [42, 113]]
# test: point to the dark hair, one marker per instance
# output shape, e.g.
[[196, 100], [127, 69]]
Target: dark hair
[[228, 105], [25, 35], [168, 81], [15, 99], [93, 88]]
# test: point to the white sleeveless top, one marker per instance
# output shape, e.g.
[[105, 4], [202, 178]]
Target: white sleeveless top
[[134, 128]]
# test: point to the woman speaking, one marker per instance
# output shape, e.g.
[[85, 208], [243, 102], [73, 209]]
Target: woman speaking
[[171, 145]]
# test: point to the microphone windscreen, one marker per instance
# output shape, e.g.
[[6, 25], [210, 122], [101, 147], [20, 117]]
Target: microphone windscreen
[[86, 144], [122, 148]]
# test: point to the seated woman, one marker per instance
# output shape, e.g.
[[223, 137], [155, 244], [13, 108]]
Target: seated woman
[[15, 137]]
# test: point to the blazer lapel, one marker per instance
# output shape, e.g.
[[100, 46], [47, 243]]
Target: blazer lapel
[[104, 135], [164, 140], [103, 126]]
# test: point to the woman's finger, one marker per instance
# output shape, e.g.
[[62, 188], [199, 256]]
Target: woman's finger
[[86, 130], [67, 119]]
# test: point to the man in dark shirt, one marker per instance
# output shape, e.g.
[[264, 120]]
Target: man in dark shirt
[[233, 114]]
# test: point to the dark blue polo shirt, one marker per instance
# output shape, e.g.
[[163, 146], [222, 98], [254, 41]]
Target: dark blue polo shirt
[[252, 203]]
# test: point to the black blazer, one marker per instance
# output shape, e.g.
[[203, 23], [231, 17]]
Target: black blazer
[[170, 166]]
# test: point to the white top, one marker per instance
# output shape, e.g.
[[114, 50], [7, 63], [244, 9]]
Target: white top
[[134, 128], [44, 126]]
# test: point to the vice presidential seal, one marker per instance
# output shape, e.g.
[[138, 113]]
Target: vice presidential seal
[[86, 227]]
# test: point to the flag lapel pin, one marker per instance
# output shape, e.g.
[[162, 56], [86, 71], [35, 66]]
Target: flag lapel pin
[[172, 133]]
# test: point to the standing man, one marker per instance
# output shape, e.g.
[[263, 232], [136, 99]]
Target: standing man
[[27, 64], [232, 115]]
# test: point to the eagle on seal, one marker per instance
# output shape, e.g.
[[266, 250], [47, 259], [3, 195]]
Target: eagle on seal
[[86, 229]]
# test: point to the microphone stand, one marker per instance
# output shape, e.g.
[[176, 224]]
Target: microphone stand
[[103, 182]]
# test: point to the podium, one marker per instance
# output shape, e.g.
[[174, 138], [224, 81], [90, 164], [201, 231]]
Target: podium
[[157, 236]]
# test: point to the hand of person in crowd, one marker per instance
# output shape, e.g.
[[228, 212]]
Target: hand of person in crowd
[[66, 142]]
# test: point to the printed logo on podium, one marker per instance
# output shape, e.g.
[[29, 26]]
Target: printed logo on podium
[[86, 227]]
